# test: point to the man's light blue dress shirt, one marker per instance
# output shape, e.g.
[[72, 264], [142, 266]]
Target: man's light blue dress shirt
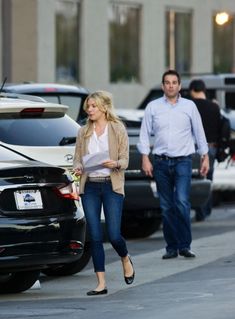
[[176, 128]]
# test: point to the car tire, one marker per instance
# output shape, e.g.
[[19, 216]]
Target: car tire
[[18, 281], [140, 228], [70, 268], [216, 198]]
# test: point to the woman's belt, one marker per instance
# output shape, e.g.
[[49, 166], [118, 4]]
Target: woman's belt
[[98, 179]]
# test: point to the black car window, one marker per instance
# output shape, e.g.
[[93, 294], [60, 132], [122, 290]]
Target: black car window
[[230, 100], [37, 131], [152, 95]]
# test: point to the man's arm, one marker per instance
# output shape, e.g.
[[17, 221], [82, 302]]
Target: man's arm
[[204, 168], [147, 165]]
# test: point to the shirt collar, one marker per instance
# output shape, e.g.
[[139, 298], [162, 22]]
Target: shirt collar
[[166, 100]]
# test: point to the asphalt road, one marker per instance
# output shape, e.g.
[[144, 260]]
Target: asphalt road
[[203, 287]]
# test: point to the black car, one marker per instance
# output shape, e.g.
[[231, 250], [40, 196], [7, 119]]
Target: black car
[[42, 225], [142, 215]]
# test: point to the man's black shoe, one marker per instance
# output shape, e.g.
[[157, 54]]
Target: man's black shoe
[[187, 253], [170, 254]]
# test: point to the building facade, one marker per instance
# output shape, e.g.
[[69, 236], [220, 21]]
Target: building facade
[[122, 46]]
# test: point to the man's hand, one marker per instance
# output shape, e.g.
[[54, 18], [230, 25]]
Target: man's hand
[[147, 165], [204, 165]]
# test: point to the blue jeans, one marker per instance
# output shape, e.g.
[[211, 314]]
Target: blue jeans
[[95, 195], [205, 210], [173, 178]]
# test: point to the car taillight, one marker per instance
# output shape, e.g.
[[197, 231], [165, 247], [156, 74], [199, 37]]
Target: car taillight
[[233, 157], [32, 110], [50, 89], [69, 191]]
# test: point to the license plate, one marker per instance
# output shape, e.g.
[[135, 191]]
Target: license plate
[[28, 199]]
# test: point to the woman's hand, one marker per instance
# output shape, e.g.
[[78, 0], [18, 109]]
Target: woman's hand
[[110, 164], [77, 171]]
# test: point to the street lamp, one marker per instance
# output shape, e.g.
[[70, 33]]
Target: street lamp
[[221, 18]]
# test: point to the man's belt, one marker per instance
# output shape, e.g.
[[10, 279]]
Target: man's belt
[[166, 157]]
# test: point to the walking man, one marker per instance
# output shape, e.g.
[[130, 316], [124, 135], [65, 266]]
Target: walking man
[[176, 125], [210, 115]]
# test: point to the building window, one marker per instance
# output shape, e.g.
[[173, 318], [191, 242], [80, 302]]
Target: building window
[[224, 46], [178, 40], [67, 40], [124, 42]]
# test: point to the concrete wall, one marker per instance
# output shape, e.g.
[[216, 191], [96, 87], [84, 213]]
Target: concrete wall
[[152, 64], [31, 43], [1, 78], [46, 41], [24, 52]]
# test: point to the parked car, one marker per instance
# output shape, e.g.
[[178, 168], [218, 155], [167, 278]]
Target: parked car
[[42, 131], [41, 224], [142, 215], [70, 95]]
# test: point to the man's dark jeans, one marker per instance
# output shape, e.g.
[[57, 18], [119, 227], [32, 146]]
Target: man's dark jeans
[[173, 178]]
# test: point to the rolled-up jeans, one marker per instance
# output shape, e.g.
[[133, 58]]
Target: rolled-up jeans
[[95, 195], [173, 178]]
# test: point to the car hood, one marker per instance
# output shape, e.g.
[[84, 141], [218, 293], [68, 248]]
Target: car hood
[[52, 155], [130, 114], [131, 117]]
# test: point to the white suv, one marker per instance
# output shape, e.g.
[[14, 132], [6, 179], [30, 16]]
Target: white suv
[[41, 131]]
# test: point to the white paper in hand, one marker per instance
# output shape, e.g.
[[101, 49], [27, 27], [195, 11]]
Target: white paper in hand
[[94, 161]]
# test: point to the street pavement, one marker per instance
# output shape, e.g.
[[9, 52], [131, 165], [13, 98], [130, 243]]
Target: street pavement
[[201, 287]]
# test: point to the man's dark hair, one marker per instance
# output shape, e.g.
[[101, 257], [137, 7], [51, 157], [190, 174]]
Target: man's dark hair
[[197, 86], [171, 72]]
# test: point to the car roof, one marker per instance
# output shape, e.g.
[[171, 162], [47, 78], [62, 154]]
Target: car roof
[[44, 88], [9, 105]]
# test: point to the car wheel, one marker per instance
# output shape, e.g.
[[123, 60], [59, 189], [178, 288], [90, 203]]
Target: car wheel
[[216, 198], [140, 228], [70, 268], [18, 281]]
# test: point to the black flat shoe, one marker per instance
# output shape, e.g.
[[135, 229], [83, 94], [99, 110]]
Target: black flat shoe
[[170, 254], [97, 293], [187, 253], [129, 280]]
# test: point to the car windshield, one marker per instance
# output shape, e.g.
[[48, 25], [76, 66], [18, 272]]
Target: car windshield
[[38, 131], [73, 101]]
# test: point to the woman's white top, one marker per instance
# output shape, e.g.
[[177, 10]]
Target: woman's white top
[[99, 144]]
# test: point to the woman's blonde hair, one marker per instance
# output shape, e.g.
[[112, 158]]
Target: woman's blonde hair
[[104, 102]]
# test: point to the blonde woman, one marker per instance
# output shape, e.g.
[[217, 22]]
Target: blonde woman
[[103, 137]]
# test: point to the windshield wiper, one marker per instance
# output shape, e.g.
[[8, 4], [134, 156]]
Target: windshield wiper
[[68, 140]]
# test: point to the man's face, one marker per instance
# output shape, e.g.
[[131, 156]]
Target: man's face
[[171, 86]]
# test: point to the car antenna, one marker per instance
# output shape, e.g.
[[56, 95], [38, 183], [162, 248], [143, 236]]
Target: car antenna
[[3, 83]]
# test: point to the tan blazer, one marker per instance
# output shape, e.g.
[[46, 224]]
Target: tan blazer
[[118, 151]]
